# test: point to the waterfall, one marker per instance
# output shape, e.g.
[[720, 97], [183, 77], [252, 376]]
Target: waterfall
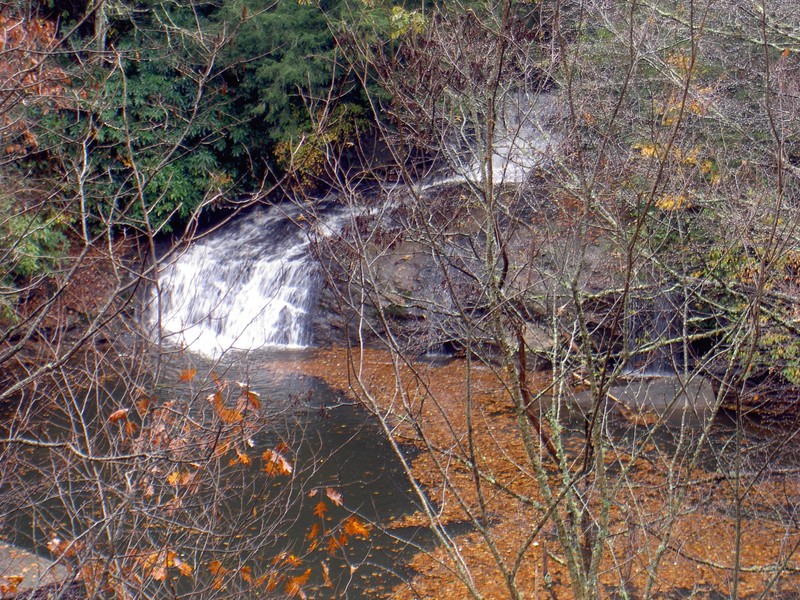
[[248, 285], [523, 140]]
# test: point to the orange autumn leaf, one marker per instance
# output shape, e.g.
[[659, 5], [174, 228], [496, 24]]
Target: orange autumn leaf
[[332, 546], [219, 572], [241, 458], [272, 582], [118, 415], [294, 585], [216, 379], [253, 399], [215, 568], [184, 568], [155, 564], [61, 547], [334, 496], [292, 561], [247, 574], [143, 404], [226, 414], [320, 509], [222, 448], [276, 464], [187, 375], [10, 585], [130, 428], [354, 527], [188, 478], [313, 533], [230, 416]]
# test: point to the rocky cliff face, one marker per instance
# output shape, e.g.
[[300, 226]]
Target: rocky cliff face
[[427, 281]]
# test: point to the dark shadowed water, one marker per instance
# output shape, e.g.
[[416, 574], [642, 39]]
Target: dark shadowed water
[[333, 444]]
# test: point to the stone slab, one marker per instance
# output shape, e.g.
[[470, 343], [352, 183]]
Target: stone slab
[[34, 570]]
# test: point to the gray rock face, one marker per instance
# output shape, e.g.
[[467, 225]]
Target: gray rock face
[[24, 571]]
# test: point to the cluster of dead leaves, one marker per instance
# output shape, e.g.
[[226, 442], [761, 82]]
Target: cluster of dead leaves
[[335, 538], [10, 584], [270, 580], [275, 463], [289, 572], [247, 400], [94, 574], [28, 71], [156, 564]]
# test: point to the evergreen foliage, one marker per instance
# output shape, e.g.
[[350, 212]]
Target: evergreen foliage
[[282, 58], [146, 132]]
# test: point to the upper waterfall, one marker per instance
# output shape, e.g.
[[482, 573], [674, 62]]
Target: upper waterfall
[[248, 285], [523, 140]]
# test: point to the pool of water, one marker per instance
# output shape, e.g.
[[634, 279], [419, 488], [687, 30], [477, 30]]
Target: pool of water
[[263, 526]]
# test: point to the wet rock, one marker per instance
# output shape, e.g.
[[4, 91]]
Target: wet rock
[[22, 571]]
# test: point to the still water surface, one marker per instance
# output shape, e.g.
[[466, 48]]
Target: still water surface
[[335, 445]]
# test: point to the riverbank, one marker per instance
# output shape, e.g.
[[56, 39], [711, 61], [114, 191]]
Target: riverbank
[[670, 526]]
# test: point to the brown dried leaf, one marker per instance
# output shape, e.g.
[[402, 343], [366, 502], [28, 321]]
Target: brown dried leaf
[[118, 415], [253, 399], [143, 404], [242, 457], [159, 573], [292, 561], [320, 509], [217, 380], [326, 575], [61, 547], [187, 375], [227, 415], [11, 584], [184, 568], [222, 448], [356, 528], [272, 582], [215, 568], [294, 585], [247, 574], [276, 464], [334, 496]]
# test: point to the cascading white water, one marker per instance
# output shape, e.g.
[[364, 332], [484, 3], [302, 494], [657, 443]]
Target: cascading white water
[[249, 285], [523, 140], [252, 284]]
